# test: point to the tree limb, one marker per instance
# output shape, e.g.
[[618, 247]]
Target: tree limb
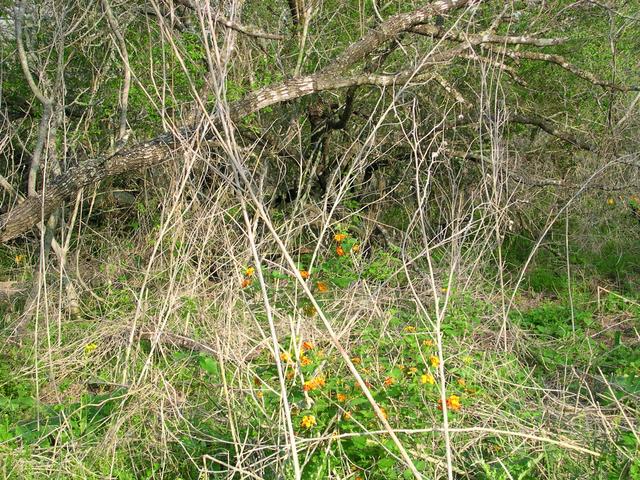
[[248, 30]]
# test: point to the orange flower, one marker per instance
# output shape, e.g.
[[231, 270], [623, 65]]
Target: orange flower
[[340, 250], [355, 248], [246, 282], [322, 287], [307, 345], [290, 374], [304, 274], [453, 403], [341, 397], [249, 271], [384, 413], [304, 360], [388, 381], [314, 384], [427, 343], [435, 361], [339, 237]]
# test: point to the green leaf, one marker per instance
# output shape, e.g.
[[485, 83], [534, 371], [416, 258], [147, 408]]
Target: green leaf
[[386, 463], [209, 365]]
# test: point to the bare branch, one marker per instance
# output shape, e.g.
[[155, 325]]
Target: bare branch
[[564, 63], [249, 30], [552, 129]]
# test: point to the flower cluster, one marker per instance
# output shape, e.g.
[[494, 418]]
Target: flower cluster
[[314, 384], [453, 403], [434, 360], [427, 378], [308, 421], [248, 273]]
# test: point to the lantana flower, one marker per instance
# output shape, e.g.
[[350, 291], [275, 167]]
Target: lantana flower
[[304, 360], [308, 421], [453, 403], [285, 357], [314, 384], [435, 361], [427, 378]]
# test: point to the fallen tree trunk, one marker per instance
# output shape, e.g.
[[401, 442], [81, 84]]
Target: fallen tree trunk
[[164, 147]]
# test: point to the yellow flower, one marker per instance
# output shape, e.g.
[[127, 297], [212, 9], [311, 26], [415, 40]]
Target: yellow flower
[[435, 361], [412, 371], [611, 201], [453, 402], [462, 382], [249, 271], [355, 248], [259, 394], [427, 343], [427, 378], [304, 360], [304, 274], [384, 413], [308, 421], [19, 259], [285, 357], [346, 416], [291, 374], [90, 347], [409, 329], [341, 397], [356, 360], [339, 237]]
